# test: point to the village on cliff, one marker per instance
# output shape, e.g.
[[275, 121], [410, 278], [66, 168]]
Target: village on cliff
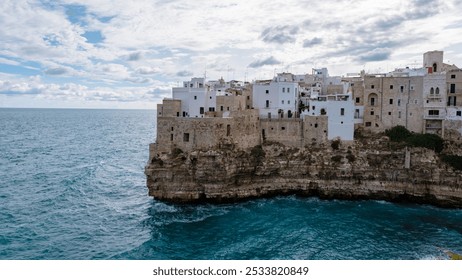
[[295, 110]]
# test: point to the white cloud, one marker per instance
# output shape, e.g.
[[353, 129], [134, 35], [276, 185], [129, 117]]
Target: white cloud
[[145, 43]]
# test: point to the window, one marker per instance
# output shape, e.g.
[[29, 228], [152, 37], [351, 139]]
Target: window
[[283, 128], [432, 91], [372, 113], [267, 103], [227, 108], [267, 91], [433, 112], [401, 89], [248, 97], [358, 99], [399, 102], [288, 89], [172, 128], [389, 113], [368, 124], [357, 114], [171, 137], [352, 84], [342, 111], [282, 101], [391, 101], [391, 86], [185, 137], [228, 130], [210, 97], [211, 109], [453, 76], [315, 125], [195, 97], [437, 91], [399, 115], [221, 108], [372, 86], [288, 101], [177, 114], [323, 111], [372, 101], [201, 110], [458, 113], [434, 67], [453, 88], [283, 89], [451, 101]]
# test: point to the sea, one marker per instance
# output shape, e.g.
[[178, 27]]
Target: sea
[[72, 186]]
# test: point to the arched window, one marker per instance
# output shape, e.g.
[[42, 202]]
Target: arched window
[[432, 91], [437, 90], [373, 99], [434, 67]]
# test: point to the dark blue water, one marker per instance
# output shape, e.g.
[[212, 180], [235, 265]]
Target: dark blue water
[[72, 187]]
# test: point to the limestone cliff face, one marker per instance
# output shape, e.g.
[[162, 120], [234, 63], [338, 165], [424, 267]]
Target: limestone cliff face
[[372, 169]]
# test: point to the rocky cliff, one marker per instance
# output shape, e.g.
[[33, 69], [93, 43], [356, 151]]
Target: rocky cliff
[[363, 169]]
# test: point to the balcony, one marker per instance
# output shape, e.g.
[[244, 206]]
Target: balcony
[[434, 117]]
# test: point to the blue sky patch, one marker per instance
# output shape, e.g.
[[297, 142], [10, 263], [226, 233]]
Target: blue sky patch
[[93, 37]]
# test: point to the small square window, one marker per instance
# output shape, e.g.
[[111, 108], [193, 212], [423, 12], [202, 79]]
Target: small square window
[[389, 113], [391, 86], [368, 124], [267, 91], [372, 113], [186, 137], [453, 76], [459, 113], [372, 86], [358, 99]]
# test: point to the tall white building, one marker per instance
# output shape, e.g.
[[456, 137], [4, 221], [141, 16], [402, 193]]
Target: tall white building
[[277, 98]]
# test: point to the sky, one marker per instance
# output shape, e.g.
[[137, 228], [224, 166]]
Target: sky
[[129, 54]]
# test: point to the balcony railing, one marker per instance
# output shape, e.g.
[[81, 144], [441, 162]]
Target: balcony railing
[[435, 117]]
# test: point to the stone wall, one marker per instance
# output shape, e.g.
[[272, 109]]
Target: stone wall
[[241, 129]]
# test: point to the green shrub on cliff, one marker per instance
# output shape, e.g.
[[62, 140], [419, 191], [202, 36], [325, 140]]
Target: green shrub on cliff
[[453, 160], [429, 141], [257, 152], [398, 133]]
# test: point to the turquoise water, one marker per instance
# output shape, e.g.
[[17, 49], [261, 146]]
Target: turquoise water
[[72, 187]]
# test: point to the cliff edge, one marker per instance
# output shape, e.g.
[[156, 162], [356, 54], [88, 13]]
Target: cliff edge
[[361, 169]]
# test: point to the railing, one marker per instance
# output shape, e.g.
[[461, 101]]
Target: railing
[[434, 117]]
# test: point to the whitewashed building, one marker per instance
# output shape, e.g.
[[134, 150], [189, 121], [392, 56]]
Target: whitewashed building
[[277, 98], [340, 111]]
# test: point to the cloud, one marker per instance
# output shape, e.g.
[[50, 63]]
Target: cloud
[[313, 42], [56, 71], [146, 70], [280, 34], [262, 62], [375, 55], [135, 56], [184, 73]]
